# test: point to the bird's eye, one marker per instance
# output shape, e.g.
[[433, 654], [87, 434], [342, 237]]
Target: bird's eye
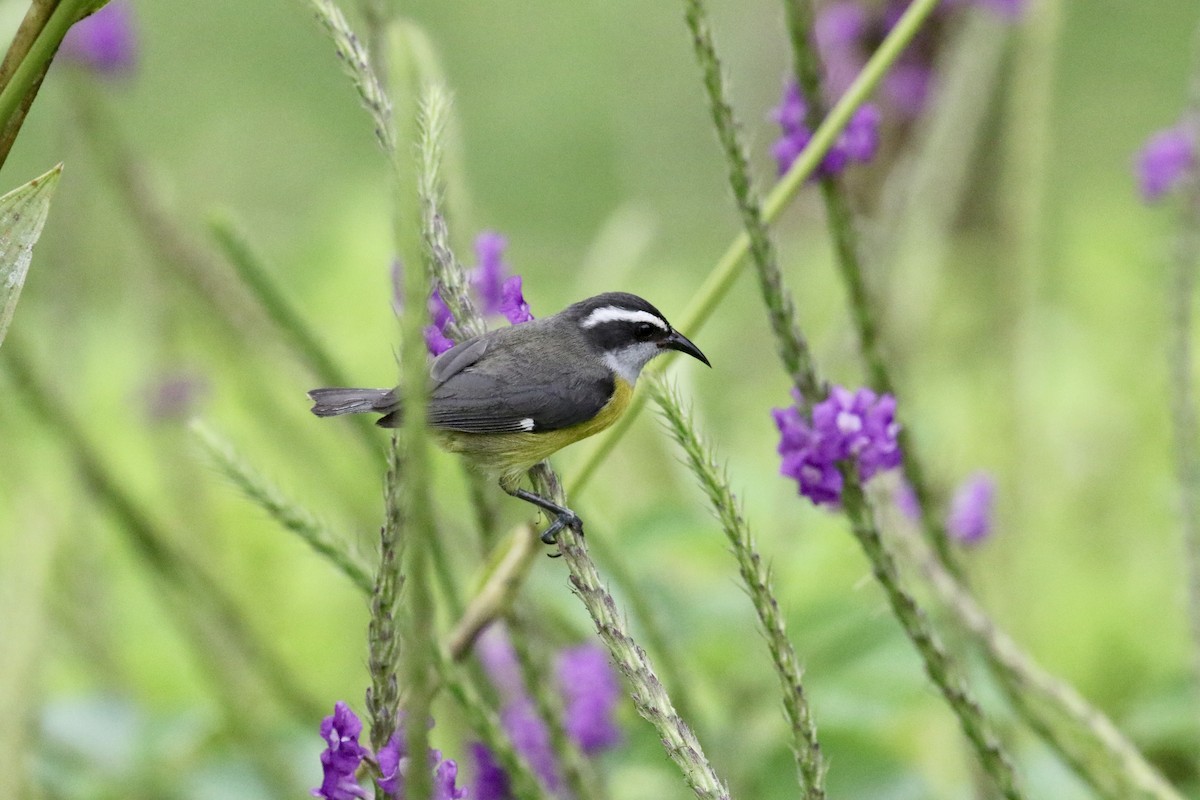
[[644, 330]]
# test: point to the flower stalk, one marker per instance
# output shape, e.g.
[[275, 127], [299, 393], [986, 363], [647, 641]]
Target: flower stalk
[[939, 665], [756, 577], [649, 696]]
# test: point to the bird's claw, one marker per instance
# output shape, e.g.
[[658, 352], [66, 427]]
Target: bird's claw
[[565, 520]]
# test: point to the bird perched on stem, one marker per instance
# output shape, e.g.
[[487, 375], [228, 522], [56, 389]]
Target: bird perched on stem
[[509, 398]]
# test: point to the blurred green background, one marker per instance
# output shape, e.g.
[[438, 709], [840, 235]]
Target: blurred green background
[[1035, 352]]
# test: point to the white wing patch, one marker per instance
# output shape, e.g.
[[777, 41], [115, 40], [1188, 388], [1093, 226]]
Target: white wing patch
[[527, 424], [615, 314]]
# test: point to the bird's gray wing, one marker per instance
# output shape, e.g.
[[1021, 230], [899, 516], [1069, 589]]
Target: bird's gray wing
[[476, 401], [458, 358]]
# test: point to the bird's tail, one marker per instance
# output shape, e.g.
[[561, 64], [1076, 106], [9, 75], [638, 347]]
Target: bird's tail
[[334, 402]]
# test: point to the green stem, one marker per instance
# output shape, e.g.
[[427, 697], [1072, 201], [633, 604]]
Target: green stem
[[649, 696], [383, 630], [756, 577], [793, 350], [19, 91], [646, 615], [1079, 732], [939, 665]]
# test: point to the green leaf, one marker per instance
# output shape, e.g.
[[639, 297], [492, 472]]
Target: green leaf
[[22, 214]]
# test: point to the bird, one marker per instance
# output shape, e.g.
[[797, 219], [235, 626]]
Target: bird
[[509, 398]]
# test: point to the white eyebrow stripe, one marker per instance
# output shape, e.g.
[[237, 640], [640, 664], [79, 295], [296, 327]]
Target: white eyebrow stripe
[[615, 314]]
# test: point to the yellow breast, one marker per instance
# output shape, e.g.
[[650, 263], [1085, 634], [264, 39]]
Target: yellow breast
[[509, 455]]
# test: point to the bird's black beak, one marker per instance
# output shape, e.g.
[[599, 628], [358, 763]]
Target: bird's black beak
[[677, 341]]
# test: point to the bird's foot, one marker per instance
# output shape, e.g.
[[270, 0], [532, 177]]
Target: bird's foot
[[565, 519]]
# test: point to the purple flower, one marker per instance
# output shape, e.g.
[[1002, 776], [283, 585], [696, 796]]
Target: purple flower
[[512, 302], [525, 728], [342, 755], [908, 86], [445, 778], [491, 781], [1010, 10], [863, 426], [393, 764], [591, 691], [435, 341], [103, 42], [531, 737], [806, 458], [848, 32], [840, 26], [488, 276], [906, 500], [841, 31], [439, 312], [858, 142], [970, 518], [846, 425], [1164, 160], [495, 652]]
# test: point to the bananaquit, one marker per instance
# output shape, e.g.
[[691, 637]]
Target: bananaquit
[[509, 398]]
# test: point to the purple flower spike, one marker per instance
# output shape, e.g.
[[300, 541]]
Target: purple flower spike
[[1164, 161], [970, 518], [436, 342], [439, 312], [512, 302], [846, 425], [103, 42], [445, 779], [806, 459], [488, 276], [908, 87], [495, 652], [393, 761], [591, 691], [393, 764], [491, 781], [839, 26], [532, 739], [858, 142], [342, 755]]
